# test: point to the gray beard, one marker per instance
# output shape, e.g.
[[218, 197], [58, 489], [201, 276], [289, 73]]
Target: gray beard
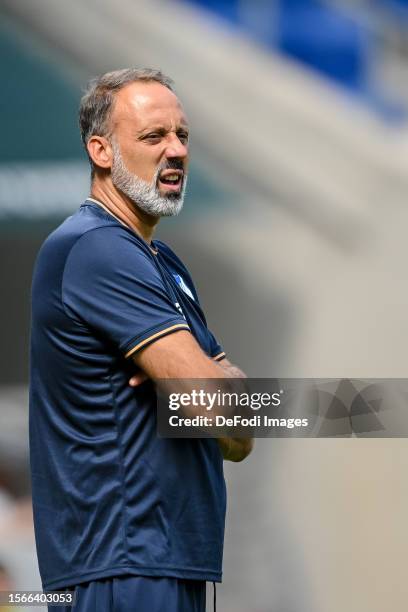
[[145, 196]]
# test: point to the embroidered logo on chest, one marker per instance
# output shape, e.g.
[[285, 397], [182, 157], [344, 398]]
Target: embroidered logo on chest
[[180, 281]]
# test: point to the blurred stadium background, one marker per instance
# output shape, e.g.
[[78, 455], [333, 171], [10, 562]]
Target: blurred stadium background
[[295, 232]]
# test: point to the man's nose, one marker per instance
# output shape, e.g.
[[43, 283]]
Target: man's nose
[[176, 148]]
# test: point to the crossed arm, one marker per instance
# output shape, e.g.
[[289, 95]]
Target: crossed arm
[[179, 356]]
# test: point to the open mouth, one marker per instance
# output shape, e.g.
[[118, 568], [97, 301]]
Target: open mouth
[[171, 179]]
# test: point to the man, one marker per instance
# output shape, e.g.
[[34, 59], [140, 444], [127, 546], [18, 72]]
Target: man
[[132, 521]]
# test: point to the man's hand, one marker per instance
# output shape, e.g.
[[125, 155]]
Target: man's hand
[[234, 449], [233, 371]]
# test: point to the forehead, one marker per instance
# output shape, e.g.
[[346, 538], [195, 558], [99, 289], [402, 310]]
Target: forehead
[[144, 104]]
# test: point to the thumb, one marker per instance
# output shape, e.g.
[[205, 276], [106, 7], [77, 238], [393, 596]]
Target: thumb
[[137, 379]]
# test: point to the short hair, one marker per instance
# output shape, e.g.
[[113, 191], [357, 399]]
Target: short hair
[[96, 105]]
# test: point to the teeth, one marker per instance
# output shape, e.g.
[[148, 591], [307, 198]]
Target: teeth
[[172, 177]]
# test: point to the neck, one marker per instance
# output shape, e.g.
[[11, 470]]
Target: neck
[[123, 208]]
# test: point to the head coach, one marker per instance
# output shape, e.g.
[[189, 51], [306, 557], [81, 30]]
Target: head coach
[[130, 521]]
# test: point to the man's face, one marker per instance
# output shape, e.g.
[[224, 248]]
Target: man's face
[[150, 147]]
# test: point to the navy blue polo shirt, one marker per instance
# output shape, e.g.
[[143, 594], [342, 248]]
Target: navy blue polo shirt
[[110, 498]]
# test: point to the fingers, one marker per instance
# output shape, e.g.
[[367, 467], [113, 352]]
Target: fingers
[[137, 379]]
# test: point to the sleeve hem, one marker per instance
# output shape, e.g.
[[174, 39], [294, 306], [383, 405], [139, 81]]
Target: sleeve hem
[[156, 336]]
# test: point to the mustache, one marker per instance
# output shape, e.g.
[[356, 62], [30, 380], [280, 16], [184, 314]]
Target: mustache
[[171, 164]]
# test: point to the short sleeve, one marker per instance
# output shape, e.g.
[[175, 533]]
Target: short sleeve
[[112, 284], [216, 350]]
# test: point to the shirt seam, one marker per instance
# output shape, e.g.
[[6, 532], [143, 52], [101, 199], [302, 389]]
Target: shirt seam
[[93, 229]]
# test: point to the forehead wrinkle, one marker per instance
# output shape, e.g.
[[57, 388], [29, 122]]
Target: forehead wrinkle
[[151, 107]]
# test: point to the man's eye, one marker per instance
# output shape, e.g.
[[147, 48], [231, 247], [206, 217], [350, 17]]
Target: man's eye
[[183, 137], [153, 137]]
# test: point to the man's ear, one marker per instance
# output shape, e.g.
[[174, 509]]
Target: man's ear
[[100, 151]]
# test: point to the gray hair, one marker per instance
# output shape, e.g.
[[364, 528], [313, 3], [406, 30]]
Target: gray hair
[[96, 105]]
